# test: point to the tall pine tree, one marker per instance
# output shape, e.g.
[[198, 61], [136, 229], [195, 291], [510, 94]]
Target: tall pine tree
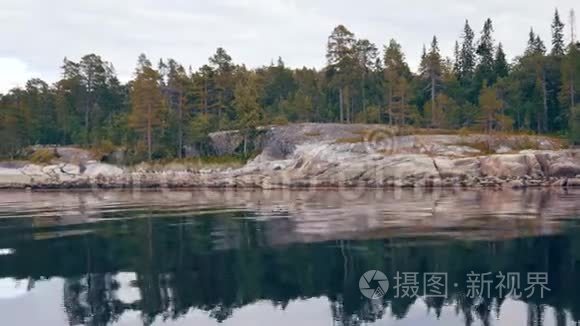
[[485, 52], [147, 103], [557, 36], [431, 69], [467, 54]]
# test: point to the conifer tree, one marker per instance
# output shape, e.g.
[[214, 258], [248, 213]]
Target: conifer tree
[[176, 90], [501, 67], [431, 71], [467, 54], [341, 60], [485, 52], [397, 73], [147, 102], [491, 107], [557, 36], [456, 59], [367, 54], [246, 101]]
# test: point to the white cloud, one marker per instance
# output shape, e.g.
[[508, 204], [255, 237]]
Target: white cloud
[[15, 73]]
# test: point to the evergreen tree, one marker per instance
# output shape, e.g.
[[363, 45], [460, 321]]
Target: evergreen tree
[[367, 54], [340, 55], [246, 101], [431, 71], [176, 91], [147, 103], [397, 74], [204, 90], [222, 64], [456, 59], [570, 72], [485, 52], [168, 108], [468, 53], [501, 66], [557, 35], [491, 107]]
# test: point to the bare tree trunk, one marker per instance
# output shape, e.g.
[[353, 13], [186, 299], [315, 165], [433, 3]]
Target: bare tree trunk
[[433, 100], [180, 126], [545, 94], [403, 108], [87, 141], [149, 147], [205, 96], [391, 105], [350, 108], [340, 100], [572, 90], [364, 99], [346, 103], [245, 143]]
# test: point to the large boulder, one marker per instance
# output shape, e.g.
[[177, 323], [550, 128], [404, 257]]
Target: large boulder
[[13, 177], [74, 155], [511, 165], [102, 169], [458, 168], [560, 164], [225, 142], [402, 166]]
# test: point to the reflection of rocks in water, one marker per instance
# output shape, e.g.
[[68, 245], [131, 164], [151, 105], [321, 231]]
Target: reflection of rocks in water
[[306, 216]]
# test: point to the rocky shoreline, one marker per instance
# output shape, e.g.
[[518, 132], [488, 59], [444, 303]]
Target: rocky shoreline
[[295, 157]]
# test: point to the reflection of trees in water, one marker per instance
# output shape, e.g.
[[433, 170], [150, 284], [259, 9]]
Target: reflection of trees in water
[[91, 300], [220, 264]]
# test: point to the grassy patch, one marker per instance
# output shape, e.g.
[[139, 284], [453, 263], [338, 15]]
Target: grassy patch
[[360, 132], [43, 156], [350, 140], [199, 163], [484, 147], [312, 134]]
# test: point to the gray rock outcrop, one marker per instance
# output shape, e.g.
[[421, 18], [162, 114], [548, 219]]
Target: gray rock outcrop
[[330, 155]]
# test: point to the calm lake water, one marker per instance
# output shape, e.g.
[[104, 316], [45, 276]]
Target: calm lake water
[[284, 258]]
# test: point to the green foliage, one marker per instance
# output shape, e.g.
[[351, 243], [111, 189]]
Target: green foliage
[[104, 149], [147, 104], [166, 110], [557, 35], [465, 57], [280, 120]]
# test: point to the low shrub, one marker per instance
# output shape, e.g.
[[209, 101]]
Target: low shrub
[[43, 156], [350, 140]]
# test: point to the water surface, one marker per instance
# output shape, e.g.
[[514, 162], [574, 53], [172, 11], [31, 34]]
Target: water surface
[[284, 258]]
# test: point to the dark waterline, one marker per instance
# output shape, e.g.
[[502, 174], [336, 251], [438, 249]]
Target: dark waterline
[[246, 258]]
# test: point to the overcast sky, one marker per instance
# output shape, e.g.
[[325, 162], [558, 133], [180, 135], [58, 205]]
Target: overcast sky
[[38, 34]]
